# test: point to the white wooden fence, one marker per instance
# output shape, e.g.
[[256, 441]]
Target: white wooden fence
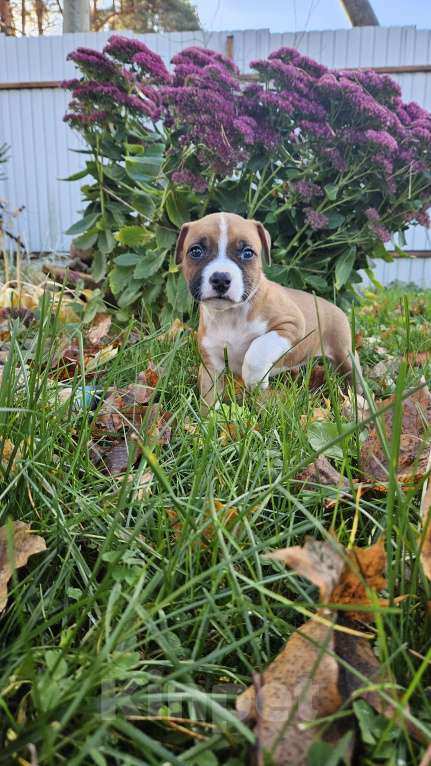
[[43, 147]]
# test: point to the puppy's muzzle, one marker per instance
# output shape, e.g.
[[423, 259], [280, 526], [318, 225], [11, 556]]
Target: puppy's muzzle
[[220, 281]]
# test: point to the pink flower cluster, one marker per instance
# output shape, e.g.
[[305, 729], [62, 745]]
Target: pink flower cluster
[[125, 74]]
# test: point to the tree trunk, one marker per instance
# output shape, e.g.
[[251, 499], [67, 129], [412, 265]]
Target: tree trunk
[[360, 13], [40, 10], [76, 16], [23, 17], [7, 26]]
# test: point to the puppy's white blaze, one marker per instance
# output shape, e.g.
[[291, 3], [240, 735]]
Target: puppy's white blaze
[[263, 358], [222, 263]]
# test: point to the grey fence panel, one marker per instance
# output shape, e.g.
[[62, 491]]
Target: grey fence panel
[[43, 147]]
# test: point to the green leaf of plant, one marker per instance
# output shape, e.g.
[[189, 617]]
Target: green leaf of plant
[[177, 210], [178, 294], [165, 237], [144, 168], [335, 220], [114, 172], [98, 267], [321, 433], [76, 176], [344, 267], [143, 203], [130, 294], [87, 240], [148, 265], [87, 222], [127, 259], [132, 236], [331, 191], [119, 277], [106, 241]]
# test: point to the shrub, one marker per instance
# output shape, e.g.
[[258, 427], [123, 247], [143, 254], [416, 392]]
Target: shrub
[[333, 162]]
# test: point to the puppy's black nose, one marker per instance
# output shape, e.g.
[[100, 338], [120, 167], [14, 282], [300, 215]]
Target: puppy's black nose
[[220, 281]]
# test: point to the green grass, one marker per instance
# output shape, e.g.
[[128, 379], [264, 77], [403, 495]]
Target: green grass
[[129, 621]]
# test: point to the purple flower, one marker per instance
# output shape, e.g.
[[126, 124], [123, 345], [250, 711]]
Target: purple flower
[[290, 55], [186, 177], [307, 190], [92, 62], [423, 218], [380, 86], [320, 130], [314, 219], [201, 57], [153, 65], [376, 226], [247, 127], [382, 139], [86, 119]]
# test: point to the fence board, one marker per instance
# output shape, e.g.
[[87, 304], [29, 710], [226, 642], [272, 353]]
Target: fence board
[[41, 143]]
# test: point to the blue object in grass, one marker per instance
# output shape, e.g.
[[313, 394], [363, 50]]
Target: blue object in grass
[[86, 396]]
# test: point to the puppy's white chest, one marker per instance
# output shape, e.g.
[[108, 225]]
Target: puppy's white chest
[[233, 331]]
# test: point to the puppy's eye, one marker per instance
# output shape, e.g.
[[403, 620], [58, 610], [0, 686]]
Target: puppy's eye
[[196, 252], [247, 254]]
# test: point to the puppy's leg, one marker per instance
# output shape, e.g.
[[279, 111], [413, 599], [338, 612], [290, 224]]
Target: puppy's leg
[[261, 356], [211, 384], [344, 365]]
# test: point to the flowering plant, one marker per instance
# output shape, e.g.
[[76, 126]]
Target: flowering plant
[[332, 162]]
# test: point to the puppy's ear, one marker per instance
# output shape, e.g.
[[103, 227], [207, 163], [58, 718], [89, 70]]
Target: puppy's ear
[[265, 239], [180, 243]]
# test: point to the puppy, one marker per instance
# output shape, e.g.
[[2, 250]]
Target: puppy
[[260, 327]]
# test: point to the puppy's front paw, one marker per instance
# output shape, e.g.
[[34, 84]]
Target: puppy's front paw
[[254, 376]]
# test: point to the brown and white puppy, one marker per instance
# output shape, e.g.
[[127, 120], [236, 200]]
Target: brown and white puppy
[[262, 327]]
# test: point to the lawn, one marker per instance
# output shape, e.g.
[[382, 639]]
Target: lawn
[[129, 638]]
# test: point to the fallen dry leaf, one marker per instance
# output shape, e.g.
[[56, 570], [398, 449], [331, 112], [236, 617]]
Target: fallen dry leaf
[[9, 450], [306, 681], [25, 544], [99, 328], [413, 456], [150, 376], [175, 329], [418, 358], [321, 472], [124, 421], [318, 414], [291, 696], [349, 409], [322, 563]]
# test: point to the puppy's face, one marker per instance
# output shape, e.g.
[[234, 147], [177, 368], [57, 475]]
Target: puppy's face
[[221, 258]]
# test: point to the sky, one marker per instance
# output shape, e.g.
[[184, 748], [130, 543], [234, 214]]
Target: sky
[[294, 15]]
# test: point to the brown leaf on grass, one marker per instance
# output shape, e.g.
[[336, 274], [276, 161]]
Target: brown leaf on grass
[[413, 456], [299, 687], [311, 678], [321, 472], [175, 329], [150, 376], [25, 544], [364, 570], [99, 328], [320, 562], [69, 359], [359, 341], [124, 422], [418, 358], [9, 451]]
